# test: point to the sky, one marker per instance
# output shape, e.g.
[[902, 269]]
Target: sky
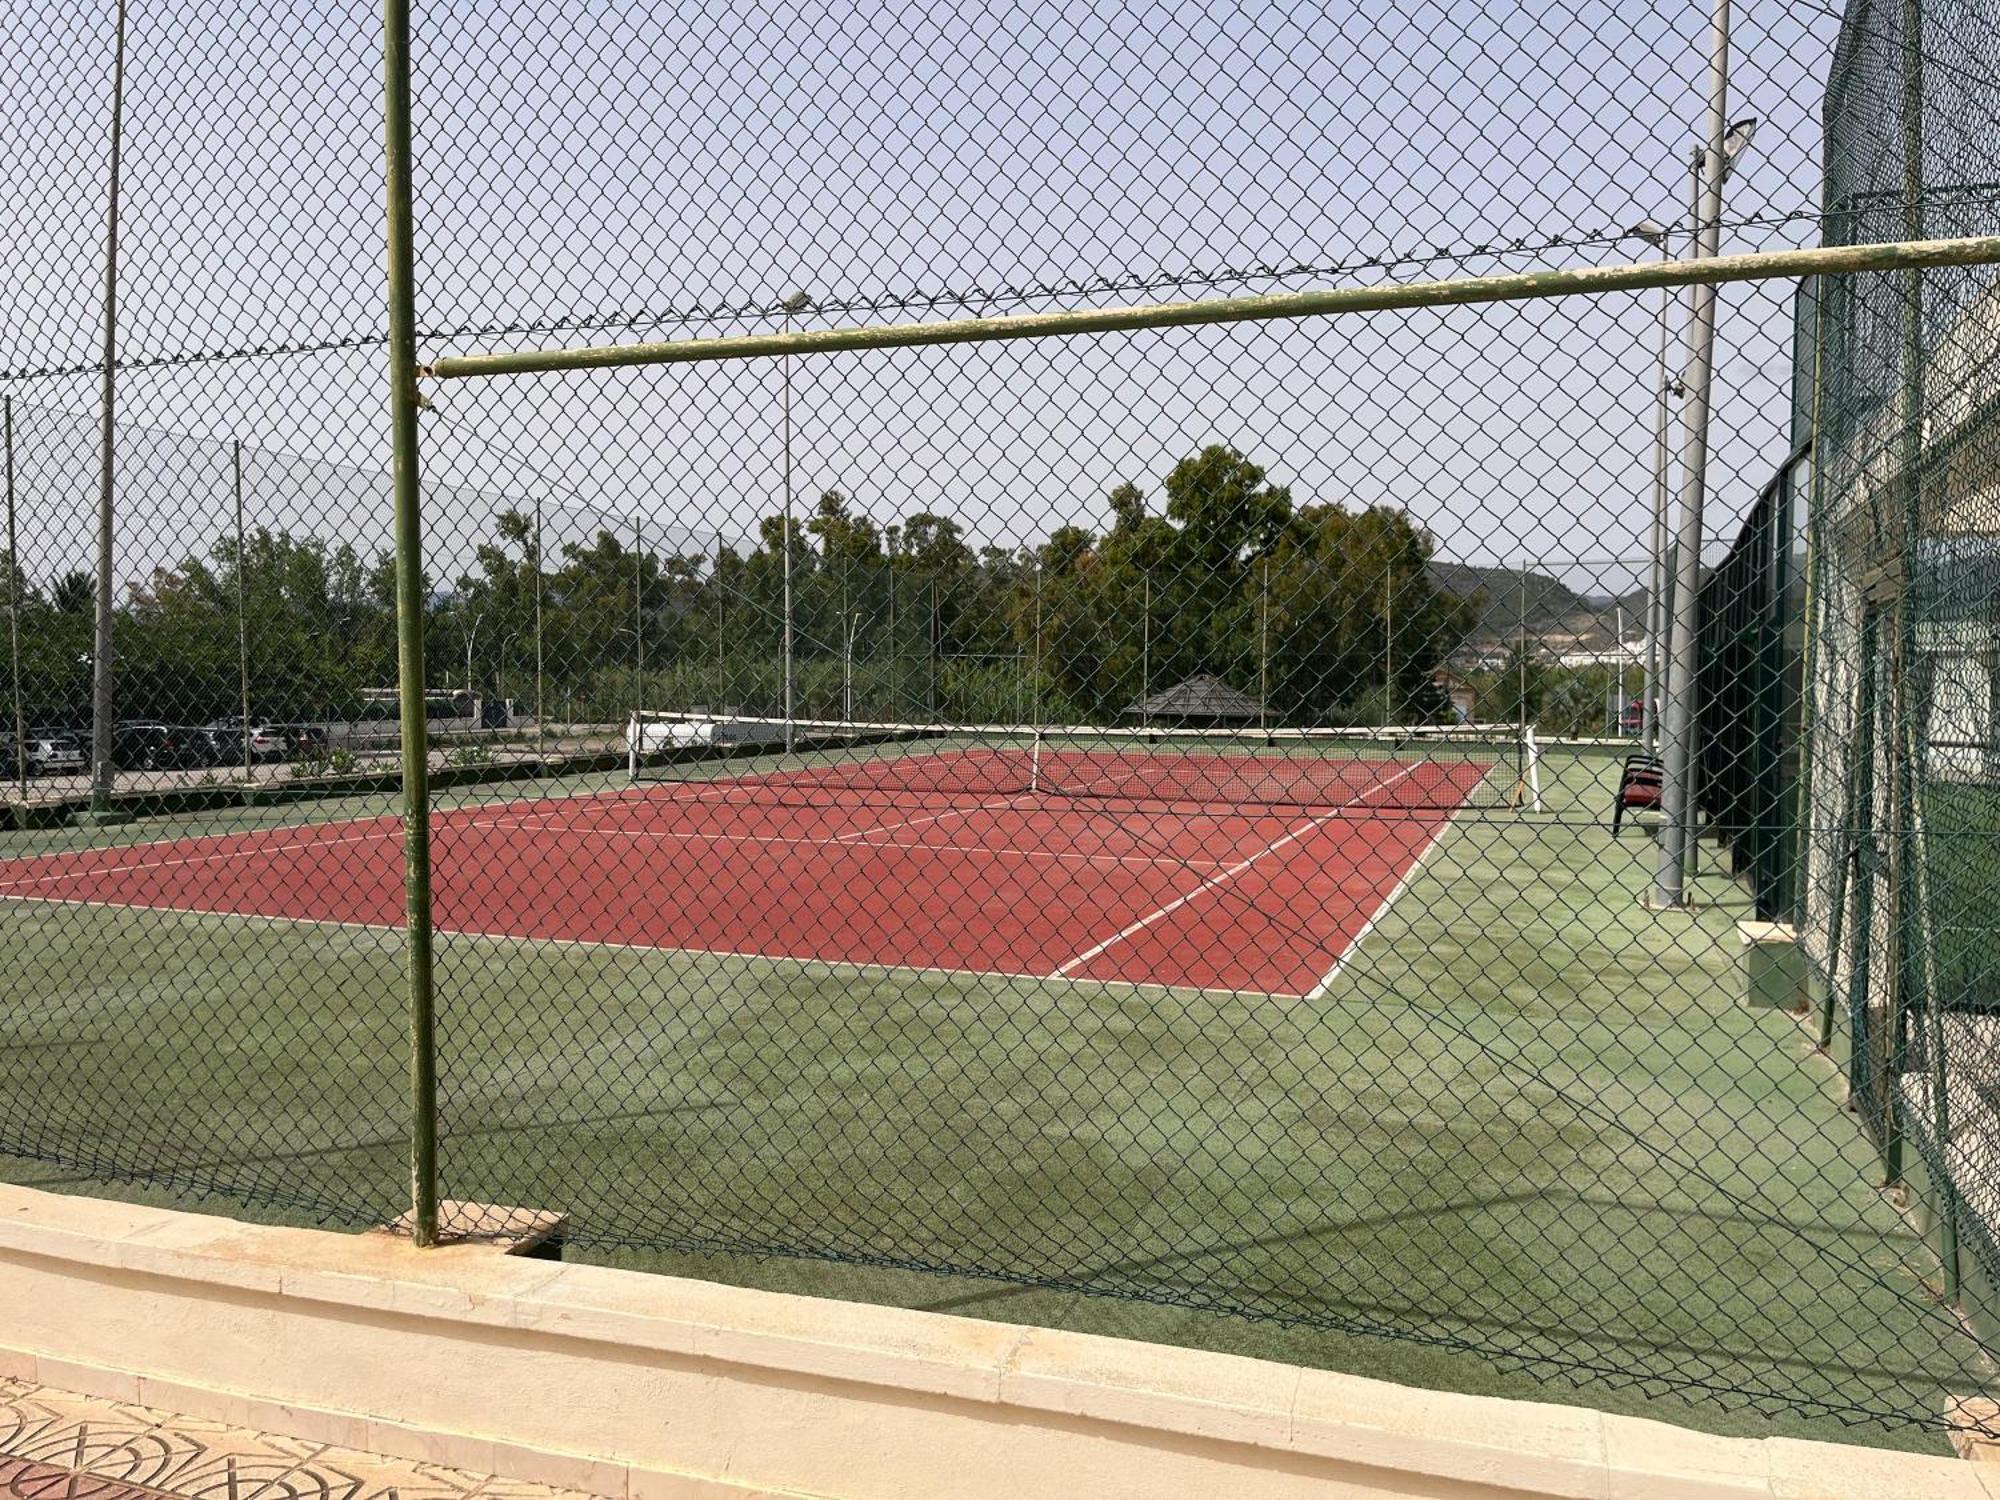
[[595, 171]]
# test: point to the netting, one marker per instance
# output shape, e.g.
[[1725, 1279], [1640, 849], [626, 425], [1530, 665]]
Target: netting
[[1167, 823], [1222, 771], [1751, 624]]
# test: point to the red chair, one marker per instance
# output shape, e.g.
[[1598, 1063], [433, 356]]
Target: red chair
[[1641, 786]]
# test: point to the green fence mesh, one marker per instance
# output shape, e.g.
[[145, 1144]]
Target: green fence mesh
[[1153, 831], [1906, 615]]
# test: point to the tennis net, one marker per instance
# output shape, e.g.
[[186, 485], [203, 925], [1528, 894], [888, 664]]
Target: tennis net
[[1420, 767]]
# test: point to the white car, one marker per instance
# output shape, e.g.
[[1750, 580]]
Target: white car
[[52, 753]]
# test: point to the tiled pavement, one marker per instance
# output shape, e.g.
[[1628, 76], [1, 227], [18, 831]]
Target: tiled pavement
[[58, 1446]]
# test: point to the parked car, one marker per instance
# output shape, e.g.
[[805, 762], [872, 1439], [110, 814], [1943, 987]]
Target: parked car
[[52, 752], [158, 747], [224, 738], [269, 740]]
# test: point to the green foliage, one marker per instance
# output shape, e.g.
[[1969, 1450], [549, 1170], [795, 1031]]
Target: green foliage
[[1324, 614], [333, 763], [1306, 606]]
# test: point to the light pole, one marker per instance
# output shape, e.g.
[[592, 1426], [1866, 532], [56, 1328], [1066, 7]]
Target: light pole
[[1725, 143], [853, 623], [1665, 387], [471, 634], [796, 303], [503, 674]]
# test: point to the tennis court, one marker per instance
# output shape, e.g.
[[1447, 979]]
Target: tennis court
[[1226, 871]]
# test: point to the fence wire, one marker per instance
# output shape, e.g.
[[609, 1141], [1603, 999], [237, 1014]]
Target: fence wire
[[1171, 815]]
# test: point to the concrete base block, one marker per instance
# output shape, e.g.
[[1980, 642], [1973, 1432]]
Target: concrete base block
[[533, 1233], [1774, 967]]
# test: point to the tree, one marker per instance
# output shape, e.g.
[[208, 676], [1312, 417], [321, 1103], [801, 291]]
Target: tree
[[1312, 607]]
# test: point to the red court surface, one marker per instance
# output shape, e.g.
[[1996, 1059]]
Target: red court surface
[[784, 866]]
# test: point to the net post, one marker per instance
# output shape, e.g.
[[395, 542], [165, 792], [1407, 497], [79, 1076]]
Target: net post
[[410, 603], [633, 729]]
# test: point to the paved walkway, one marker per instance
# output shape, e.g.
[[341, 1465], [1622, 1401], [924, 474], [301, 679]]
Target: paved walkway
[[58, 1446]]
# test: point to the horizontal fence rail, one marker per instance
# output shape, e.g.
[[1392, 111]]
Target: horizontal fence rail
[[1460, 292]]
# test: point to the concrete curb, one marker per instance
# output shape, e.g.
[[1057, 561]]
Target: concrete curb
[[638, 1386]]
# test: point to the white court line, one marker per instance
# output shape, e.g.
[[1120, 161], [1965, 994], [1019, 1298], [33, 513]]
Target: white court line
[[193, 859], [1353, 944], [441, 834], [861, 834], [381, 825], [1225, 876], [836, 965], [858, 835], [716, 837]]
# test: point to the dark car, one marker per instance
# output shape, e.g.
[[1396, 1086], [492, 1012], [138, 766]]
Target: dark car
[[157, 747], [224, 739]]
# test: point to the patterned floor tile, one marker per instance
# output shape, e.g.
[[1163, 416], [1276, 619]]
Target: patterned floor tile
[[56, 1445]]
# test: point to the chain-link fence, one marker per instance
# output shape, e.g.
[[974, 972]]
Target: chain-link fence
[[1370, 810], [1905, 622]]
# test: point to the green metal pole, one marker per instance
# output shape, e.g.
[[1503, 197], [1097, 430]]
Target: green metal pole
[[1517, 286], [14, 576], [1864, 1066], [242, 613], [410, 605], [103, 721], [1911, 949], [1804, 824]]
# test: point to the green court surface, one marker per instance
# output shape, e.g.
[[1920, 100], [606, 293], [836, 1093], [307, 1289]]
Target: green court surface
[[1531, 1143]]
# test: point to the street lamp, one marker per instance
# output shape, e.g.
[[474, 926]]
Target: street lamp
[[1735, 141], [1665, 386], [471, 634], [793, 305], [1712, 163]]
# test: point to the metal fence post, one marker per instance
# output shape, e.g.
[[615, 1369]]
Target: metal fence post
[[14, 578], [410, 604], [242, 610], [103, 716]]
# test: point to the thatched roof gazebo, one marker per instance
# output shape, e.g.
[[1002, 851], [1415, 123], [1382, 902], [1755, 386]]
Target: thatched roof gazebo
[[1202, 702]]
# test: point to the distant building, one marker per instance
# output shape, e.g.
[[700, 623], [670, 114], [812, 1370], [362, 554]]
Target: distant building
[[1464, 699], [1202, 702]]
